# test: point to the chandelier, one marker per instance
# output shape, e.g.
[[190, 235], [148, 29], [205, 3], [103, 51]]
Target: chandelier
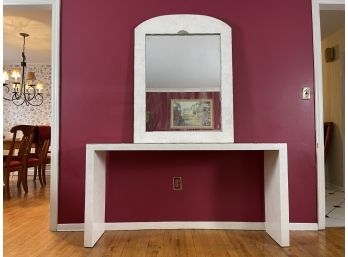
[[20, 89]]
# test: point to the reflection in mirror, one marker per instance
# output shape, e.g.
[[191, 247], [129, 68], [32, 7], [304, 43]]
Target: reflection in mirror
[[183, 63], [178, 111], [183, 82]]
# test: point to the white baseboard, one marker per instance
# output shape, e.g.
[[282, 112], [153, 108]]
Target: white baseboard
[[185, 225], [70, 227], [304, 226]]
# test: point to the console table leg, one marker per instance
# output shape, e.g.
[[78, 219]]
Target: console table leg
[[276, 196], [95, 197]]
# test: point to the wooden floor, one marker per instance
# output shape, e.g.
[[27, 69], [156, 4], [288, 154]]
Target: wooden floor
[[26, 233]]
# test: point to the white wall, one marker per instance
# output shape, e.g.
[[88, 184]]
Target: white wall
[[333, 88]]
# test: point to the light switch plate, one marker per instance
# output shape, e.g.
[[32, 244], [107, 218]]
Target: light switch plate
[[306, 93]]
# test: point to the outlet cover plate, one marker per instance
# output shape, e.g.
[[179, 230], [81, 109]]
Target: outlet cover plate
[[177, 183]]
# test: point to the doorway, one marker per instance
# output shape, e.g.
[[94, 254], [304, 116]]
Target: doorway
[[333, 55], [29, 24], [55, 51]]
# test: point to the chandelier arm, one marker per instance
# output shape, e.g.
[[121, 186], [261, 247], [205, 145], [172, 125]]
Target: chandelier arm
[[8, 92], [18, 94], [40, 100], [15, 100], [7, 88]]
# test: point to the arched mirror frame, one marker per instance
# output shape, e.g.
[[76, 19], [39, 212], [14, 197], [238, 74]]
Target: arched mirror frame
[[193, 24]]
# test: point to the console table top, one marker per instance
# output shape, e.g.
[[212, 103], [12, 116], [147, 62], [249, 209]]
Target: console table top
[[185, 147]]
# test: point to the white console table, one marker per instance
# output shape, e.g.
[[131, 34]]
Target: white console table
[[275, 180]]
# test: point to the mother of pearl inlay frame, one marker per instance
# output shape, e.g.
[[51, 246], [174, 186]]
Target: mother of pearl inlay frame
[[175, 25]]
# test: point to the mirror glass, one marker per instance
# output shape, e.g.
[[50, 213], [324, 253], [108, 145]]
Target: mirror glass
[[183, 82], [183, 62]]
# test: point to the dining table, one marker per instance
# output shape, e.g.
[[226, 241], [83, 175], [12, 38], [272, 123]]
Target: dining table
[[7, 143]]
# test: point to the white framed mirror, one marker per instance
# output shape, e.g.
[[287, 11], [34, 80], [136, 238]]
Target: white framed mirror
[[183, 86]]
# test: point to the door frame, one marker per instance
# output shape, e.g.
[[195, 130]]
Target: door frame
[[55, 53], [318, 5]]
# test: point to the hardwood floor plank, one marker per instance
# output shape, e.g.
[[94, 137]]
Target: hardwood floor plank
[[26, 233], [166, 250], [114, 244], [155, 244], [137, 241]]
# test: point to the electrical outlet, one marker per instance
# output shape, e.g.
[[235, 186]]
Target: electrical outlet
[[306, 93], [177, 183]]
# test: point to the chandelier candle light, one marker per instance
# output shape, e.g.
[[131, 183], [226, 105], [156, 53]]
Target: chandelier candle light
[[25, 91]]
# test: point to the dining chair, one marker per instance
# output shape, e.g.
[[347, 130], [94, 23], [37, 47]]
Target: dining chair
[[18, 160], [40, 157]]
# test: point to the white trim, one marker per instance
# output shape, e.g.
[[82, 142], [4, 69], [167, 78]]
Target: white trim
[[55, 115], [186, 225], [171, 24], [317, 5], [188, 147], [55, 51], [303, 226], [70, 227], [319, 114], [212, 89]]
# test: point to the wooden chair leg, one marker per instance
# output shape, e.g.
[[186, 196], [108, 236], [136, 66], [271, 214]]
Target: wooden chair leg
[[43, 173], [7, 183], [40, 176], [19, 179], [35, 173], [24, 180]]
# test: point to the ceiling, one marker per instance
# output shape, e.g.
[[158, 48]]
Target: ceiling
[[330, 22], [34, 20]]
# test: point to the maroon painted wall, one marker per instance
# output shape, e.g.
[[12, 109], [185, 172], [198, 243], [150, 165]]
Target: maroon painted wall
[[272, 60]]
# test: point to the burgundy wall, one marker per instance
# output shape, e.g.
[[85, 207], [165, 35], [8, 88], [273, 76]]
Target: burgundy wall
[[272, 60], [140, 188]]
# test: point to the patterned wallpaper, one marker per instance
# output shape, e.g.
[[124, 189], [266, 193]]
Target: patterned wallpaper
[[33, 115]]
